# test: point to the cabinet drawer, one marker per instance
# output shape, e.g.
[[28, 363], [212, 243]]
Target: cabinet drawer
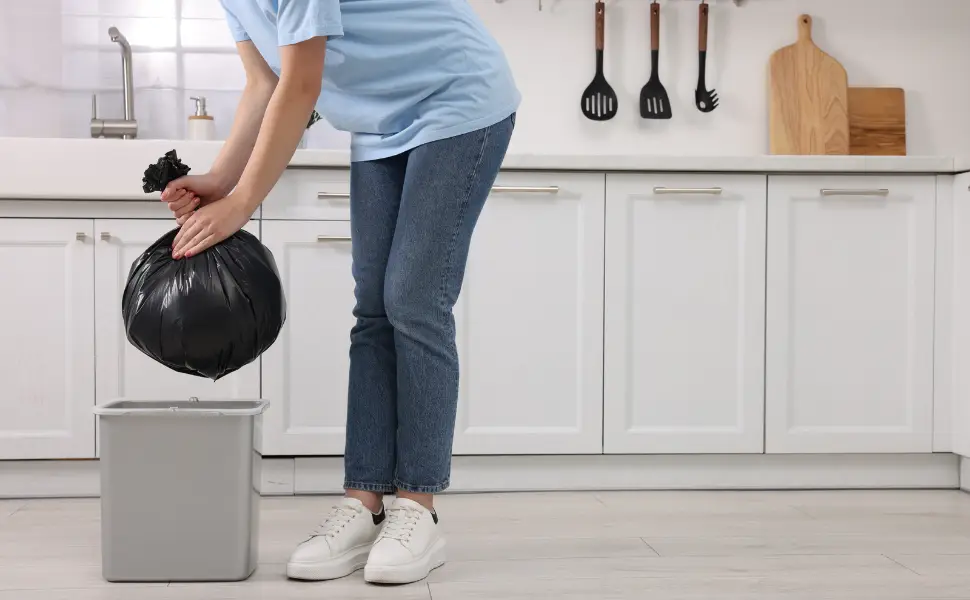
[[324, 194], [310, 195]]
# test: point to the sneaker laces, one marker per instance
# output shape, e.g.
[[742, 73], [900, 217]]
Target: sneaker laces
[[338, 518], [401, 521]]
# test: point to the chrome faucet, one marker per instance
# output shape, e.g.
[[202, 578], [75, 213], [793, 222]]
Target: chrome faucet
[[126, 128]]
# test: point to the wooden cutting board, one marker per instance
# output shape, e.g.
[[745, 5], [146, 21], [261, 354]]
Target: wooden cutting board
[[808, 106], [877, 121]]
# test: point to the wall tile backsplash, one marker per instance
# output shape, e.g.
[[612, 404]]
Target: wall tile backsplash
[[55, 53], [180, 48]]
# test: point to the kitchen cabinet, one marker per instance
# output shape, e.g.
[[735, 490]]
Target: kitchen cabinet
[[625, 313], [684, 339], [849, 336], [530, 319], [541, 393], [122, 370], [953, 324], [304, 374], [310, 195], [47, 354]]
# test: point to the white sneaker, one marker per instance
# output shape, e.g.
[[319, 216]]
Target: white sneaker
[[408, 548], [339, 546]]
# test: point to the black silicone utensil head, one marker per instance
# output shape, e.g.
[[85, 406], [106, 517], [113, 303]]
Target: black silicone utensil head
[[599, 101], [706, 101], [654, 103]]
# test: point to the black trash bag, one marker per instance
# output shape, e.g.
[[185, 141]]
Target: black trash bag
[[167, 169], [207, 315]]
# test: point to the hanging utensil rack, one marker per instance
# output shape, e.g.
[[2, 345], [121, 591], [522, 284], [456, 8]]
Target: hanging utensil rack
[[736, 2], [540, 2]]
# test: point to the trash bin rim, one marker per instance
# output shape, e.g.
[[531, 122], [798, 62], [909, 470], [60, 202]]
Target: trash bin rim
[[113, 408]]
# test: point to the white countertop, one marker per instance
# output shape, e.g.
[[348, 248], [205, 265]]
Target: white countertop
[[961, 164], [86, 169]]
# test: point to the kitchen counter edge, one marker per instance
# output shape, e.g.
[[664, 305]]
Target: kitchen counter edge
[[82, 169]]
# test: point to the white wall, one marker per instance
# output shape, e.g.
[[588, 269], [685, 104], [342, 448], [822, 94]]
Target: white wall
[[53, 53]]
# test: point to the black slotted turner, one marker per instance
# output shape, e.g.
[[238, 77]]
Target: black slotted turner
[[599, 99], [654, 103]]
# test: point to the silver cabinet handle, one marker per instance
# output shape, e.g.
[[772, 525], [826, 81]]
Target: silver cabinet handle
[[333, 195], [525, 189], [854, 192], [105, 236], [333, 238], [714, 191], [81, 236]]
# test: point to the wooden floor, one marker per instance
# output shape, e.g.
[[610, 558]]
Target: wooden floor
[[883, 545]]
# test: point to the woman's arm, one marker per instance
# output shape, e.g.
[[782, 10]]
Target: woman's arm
[[261, 82], [283, 124], [186, 193], [301, 75]]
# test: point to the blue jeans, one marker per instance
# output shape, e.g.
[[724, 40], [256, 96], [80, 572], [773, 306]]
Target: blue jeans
[[412, 217]]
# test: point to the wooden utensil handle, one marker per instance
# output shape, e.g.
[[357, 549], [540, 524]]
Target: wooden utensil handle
[[702, 29], [655, 26], [600, 24]]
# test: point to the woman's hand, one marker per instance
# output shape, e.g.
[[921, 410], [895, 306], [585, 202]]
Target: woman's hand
[[188, 193], [182, 203], [209, 225]]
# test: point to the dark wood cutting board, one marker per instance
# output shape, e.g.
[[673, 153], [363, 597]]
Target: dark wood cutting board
[[877, 121]]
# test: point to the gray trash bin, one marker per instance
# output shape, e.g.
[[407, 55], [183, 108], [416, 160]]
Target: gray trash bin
[[178, 494]]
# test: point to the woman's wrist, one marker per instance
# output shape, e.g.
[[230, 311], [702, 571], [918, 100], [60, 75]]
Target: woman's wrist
[[247, 202], [223, 182]]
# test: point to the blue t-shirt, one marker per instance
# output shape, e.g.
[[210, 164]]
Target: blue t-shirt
[[398, 73]]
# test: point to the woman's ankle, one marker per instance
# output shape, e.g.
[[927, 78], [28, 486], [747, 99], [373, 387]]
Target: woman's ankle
[[425, 500], [372, 501]]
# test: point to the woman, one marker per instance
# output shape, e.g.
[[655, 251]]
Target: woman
[[430, 101]]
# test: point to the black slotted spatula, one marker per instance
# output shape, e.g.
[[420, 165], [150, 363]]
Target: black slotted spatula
[[654, 103], [599, 99]]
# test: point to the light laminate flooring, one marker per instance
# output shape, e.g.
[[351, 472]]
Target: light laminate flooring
[[905, 545]]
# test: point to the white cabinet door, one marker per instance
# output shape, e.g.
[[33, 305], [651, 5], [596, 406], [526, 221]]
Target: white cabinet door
[[849, 335], [953, 312], [123, 371], [47, 354], [530, 319], [305, 371], [685, 277]]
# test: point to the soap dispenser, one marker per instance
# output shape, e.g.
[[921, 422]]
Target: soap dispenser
[[201, 125]]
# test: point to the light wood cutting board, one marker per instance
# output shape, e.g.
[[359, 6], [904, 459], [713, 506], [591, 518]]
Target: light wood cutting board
[[808, 105], [877, 121]]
